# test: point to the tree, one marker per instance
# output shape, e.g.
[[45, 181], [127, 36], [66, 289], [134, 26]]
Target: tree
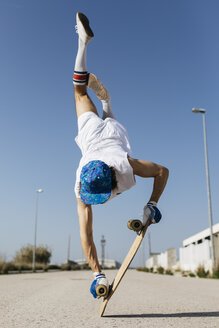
[[2, 257], [25, 254]]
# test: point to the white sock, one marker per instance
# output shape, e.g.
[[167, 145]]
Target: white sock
[[80, 70], [107, 109]]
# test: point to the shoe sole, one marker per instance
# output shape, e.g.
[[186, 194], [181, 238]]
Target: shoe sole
[[95, 85], [85, 22]]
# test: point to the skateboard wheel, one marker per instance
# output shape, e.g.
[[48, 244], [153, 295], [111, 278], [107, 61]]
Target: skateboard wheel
[[135, 225], [129, 224], [101, 290]]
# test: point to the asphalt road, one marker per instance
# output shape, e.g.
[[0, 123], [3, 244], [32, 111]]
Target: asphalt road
[[62, 299]]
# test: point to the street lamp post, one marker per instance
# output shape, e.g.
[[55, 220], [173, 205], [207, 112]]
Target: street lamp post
[[103, 243], [35, 229], [202, 111]]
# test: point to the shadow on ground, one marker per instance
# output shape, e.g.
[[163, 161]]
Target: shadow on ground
[[166, 315]]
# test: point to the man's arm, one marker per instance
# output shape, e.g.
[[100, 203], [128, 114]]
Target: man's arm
[[147, 169], [86, 234]]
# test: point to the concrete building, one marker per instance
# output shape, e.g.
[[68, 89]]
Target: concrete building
[[108, 263], [167, 259], [196, 250]]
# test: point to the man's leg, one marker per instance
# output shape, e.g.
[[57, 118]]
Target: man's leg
[[82, 100], [101, 92], [83, 105]]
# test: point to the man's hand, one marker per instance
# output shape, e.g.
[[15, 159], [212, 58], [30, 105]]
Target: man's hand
[[101, 282], [151, 213]]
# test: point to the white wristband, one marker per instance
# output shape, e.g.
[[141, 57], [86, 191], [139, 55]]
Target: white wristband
[[153, 203], [96, 274]]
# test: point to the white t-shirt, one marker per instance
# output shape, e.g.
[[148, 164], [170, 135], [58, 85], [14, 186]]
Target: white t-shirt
[[107, 141]]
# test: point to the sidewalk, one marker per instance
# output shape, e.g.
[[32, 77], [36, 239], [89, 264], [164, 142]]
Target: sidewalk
[[62, 299]]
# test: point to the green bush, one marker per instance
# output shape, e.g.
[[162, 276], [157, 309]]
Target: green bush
[[25, 255], [66, 267], [215, 274], [192, 275], [76, 267], [8, 266], [69, 267], [144, 269], [138, 269], [160, 270], [169, 272], [177, 270], [201, 273], [54, 267], [11, 266], [85, 267], [23, 266], [151, 269], [5, 268]]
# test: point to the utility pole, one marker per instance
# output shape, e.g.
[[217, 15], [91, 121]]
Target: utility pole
[[38, 191], [103, 243], [143, 253], [69, 246], [149, 244], [212, 248]]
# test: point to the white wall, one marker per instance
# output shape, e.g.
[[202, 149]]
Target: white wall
[[194, 253], [108, 263], [193, 256], [166, 259]]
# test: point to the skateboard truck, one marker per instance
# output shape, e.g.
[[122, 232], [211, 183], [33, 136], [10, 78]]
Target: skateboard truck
[[109, 291]]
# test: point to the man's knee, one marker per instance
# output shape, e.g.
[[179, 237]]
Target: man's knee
[[82, 100], [80, 90]]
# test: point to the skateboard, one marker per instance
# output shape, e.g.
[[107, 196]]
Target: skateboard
[[125, 264]]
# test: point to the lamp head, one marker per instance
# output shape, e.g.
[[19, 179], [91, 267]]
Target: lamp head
[[198, 110]]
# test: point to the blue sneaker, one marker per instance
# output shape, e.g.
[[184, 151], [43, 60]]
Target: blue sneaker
[[99, 287]]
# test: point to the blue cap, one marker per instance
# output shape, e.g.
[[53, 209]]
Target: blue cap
[[96, 183]]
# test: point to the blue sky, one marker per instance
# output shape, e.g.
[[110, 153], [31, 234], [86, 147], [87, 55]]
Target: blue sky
[[158, 59]]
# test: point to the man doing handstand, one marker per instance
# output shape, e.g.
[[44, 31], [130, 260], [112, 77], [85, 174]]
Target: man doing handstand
[[106, 168]]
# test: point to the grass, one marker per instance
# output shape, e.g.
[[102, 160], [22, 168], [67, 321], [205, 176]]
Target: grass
[[215, 274], [169, 272], [11, 267], [202, 273], [143, 269], [159, 270]]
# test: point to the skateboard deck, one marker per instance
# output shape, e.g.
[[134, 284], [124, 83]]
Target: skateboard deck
[[125, 264]]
